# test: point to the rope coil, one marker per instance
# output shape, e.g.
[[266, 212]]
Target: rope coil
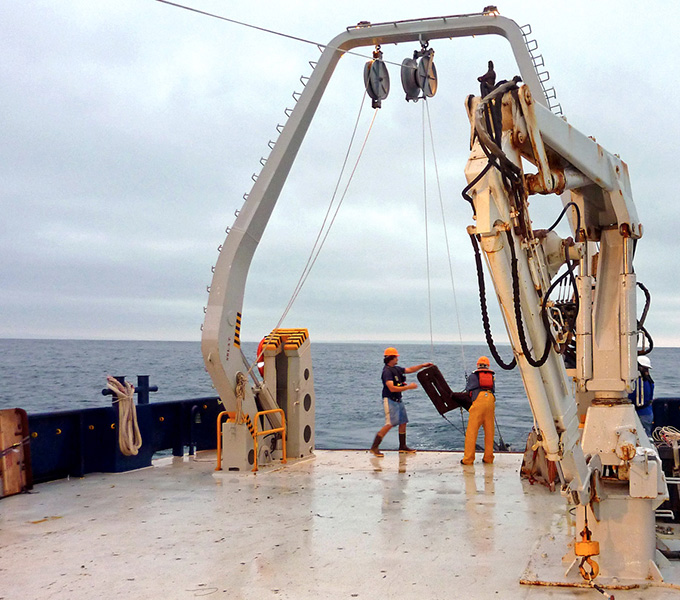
[[129, 436], [666, 435], [240, 394]]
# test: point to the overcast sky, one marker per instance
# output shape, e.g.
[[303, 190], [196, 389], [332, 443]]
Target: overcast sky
[[130, 131]]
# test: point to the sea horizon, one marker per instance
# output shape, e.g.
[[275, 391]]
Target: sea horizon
[[43, 375], [314, 340]]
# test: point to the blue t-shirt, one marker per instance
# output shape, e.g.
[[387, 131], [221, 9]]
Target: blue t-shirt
[[396, 375], [642, 396]]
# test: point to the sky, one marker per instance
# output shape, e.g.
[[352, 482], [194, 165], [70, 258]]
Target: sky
[[131, 129]]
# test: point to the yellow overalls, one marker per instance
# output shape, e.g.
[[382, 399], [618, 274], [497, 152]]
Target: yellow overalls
[[481, 415]]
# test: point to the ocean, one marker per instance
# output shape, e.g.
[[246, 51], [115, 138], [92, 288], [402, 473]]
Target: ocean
[[48, 375]]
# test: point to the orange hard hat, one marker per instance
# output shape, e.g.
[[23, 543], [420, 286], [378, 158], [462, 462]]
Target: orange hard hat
[[483, 361], [391, 352]]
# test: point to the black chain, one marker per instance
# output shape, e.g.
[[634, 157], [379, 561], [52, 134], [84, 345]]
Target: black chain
[[510, 173], [518, 312], [485, 314]]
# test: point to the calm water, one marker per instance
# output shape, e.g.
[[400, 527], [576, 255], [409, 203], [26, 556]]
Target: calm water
[[46, 375]]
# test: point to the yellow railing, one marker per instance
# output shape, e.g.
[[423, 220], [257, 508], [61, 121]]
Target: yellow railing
[[281, 429], [232, 416]]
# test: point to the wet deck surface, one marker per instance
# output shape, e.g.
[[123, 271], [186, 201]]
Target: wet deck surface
[[340, 525]]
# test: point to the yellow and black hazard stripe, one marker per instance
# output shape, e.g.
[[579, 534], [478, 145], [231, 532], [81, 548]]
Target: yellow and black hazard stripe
[[237, 331], [250, 427], [291, 339]]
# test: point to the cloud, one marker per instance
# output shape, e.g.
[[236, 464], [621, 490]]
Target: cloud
[[131, 130]]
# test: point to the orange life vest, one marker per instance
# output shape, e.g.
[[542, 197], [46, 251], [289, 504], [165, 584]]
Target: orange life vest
[[485, 377]]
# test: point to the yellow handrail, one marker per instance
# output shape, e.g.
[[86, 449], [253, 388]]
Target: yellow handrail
[[268, 431], [256, 433], [231, 415]]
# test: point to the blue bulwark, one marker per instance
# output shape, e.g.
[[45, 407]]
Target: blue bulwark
[[77, 442]]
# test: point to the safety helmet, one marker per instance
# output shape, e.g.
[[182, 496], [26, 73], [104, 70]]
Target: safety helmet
[[391, 352], [643, 361], [483, 361]]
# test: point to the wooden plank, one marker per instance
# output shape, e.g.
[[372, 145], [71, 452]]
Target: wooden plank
[[13, 464]]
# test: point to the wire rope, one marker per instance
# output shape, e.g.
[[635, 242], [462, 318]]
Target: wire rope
[[322, 236], [446, 236], [15, 447], [316, 253], [243, 24], [502, 446], [458, 429], [427, 238], [319, 45]]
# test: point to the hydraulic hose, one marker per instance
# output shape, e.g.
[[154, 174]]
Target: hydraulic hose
[[485, 313]]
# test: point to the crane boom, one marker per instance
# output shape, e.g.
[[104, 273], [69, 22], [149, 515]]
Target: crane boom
[[585, 420]]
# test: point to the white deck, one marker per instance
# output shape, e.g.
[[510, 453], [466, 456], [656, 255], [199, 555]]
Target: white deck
[[340, 525]]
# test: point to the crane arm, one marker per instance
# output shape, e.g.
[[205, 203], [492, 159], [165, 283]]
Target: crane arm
[[511, 131]]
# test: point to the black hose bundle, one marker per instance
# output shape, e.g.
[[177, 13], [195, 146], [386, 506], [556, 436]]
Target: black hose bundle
[[485, 313], [489, 133]]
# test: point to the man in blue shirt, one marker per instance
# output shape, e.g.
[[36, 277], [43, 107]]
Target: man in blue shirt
[[394, 383]]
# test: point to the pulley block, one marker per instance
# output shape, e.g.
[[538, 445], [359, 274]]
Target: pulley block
[[419, 75], [376, 79], [427, 75], [409, 81]]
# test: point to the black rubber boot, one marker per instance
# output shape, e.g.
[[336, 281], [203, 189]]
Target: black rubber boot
[[402, 444], [374, 447]]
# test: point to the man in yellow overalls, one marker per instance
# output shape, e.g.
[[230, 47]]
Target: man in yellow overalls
[[481, 386]]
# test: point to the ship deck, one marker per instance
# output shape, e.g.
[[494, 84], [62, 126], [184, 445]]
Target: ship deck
[[342, 524]]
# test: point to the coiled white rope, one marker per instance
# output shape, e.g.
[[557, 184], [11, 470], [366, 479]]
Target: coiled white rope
[[241, 381], [666, 435], [129, 437]]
